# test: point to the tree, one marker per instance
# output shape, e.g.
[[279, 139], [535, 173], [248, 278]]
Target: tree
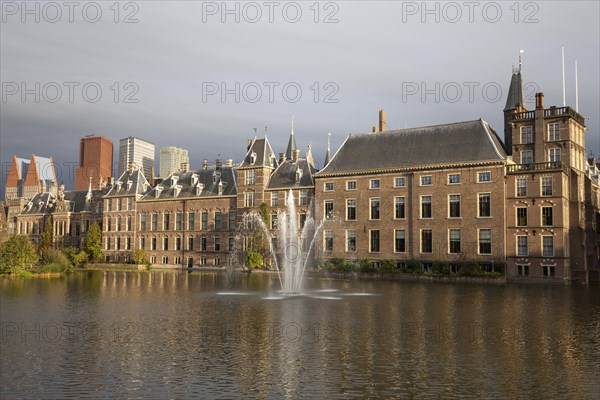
[[139, 256], [17, 255], [45, 245], [93, 242]]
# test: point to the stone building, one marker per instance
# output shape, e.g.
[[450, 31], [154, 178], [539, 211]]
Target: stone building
[[428, 194]]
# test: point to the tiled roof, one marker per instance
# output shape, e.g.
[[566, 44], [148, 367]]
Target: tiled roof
[[195, 184], [260, 154], [286, 176]]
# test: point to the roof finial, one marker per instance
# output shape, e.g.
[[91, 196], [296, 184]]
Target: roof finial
[[293, 124], [329, 141], [520, 61]]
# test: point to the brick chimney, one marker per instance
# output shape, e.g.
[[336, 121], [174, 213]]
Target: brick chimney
[[184, 167], [218, 164], [382, 123], [229, 163], [281, 158], [295, 155], [539, 100], [204, 164]]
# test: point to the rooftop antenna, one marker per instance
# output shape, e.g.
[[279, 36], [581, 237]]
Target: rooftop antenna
[[563, 76], [292, 124], [329, 141], [520, 61], [576, 89]]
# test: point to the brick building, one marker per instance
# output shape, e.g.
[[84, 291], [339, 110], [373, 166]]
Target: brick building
[[95, 161]]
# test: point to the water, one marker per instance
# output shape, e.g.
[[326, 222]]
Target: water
[[175, 335]]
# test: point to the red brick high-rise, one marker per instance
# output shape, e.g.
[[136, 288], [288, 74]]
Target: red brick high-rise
[[95, 160]]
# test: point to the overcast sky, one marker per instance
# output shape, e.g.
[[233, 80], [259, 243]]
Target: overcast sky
[[162, 66]]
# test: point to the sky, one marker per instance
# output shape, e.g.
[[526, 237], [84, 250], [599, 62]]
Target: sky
[[207, 76]]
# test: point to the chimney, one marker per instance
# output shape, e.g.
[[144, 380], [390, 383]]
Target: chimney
[[374, 130], [382, 123], [229, 163], [539, 100], [218, 164], [184, 167], [519, 108], [295, 155], [205, 164], [281, 158]]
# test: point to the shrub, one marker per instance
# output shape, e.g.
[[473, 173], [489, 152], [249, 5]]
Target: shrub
[[76, 257], [55, 261], [413, 267], [388, 267], [254, 260], [441, 267], [139, 256]]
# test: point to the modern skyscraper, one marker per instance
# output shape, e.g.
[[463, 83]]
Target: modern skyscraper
[[95, 161], [171, 159], [139, 151]]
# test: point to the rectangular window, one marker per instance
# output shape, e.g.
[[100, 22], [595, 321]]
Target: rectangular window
[[178, 243], [522, 248], [351, 209], [328, 237], [204, 220], [119, 224], [302, 220], [178, 221], [521, 187], [521, 216], [553, 131], [119, 204], [374, 241], [484, 176], [143, 222], [303, 200], [165, 243], [128, 243], [142, 243], [153, 244], [485, 241], [375, 204], [526, 156], [554, 155], [328, 186], [375, 184], [130, 203], [547, 186], [526, 134], [165, 260], [250, 177], [400, 241], [154, 222], [231, 244], [274, 199], [218, 221], [399, 182], [273, 221], [426, 241], [351, 240], [203, 245], [548, 271], [232, 220], [454, 206], [426, 180], [485, 209], [217, 244], [454, 245], [190, 243], [453, 179], [548, 246], [166, 221], [328, 209], [107, 243], [109, 205], [425, 206], [547, 216], [191, 221], [523, 270], [351, 185], [128, 223], [399, 207], [249, 199]]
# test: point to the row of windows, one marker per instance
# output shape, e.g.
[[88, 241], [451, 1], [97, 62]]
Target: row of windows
[[553, 155], [152, 244], [426, 210], [553, 133], [548, 271], [150, 222], [546, 184], [547, 216], [484, 241], [522, 244], [119, 204], [302, 198], [424, 180]]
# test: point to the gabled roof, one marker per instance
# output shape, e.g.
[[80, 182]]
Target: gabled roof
[[131, 182], [285, 175], [14, 173], [456, 143], [195, 184], [263, 155], [46, 203], [515, 92]]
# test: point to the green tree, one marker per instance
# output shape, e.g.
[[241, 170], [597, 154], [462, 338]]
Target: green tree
[[45, 245], [93, 242], [17, 255], [139, 256], [254, 260]]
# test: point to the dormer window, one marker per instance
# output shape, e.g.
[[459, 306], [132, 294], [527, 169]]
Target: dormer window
[[220, 188], [176, 190], [129, 183], [298, 175], [194, 179], [158, 191], [119, 184], [252, 158], [199, 189], [216, 176], [174, 180]]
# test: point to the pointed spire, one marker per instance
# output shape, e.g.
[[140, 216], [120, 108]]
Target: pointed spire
[[291, 144], [309, 157], [328, 155], [515, 90]]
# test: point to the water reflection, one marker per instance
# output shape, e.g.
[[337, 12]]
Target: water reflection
[[168, 334]]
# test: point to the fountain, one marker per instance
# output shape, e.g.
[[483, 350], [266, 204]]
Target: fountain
[[296, 249]]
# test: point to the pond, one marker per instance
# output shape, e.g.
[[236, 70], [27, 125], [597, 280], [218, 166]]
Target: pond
[[116, 334]]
